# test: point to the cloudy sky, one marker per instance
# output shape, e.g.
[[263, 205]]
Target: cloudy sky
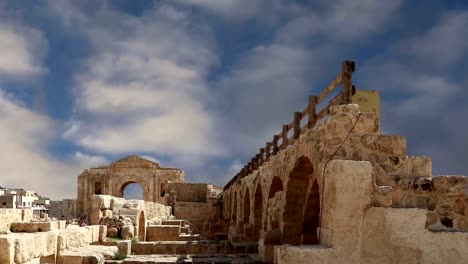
[[202, 84]]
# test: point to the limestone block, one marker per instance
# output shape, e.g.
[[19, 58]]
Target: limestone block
[[47, 259], [112, 232], [162, 233], [383, 196], [7, 249], [102, 233], [451, 185], [127, 232], [24, 248], [70, 259]]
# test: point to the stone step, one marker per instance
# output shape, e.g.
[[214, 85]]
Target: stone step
[[206, 258], [194, 247]]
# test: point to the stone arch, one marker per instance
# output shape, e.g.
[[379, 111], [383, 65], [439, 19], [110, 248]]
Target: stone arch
[[234, 208], [258, 210], [142, 226], [311, 216], [275, 187], [295, 200], [246, 207], [123, 182]]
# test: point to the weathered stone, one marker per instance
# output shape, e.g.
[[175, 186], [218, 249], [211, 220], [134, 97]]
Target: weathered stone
[[127, 232], [112, 232]]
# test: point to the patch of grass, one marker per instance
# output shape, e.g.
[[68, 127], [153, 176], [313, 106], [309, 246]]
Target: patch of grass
[[119, 256], [135, 240], [114, 239]]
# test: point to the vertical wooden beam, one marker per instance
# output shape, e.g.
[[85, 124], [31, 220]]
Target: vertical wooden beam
[[275, 144], [285, 137], [347, 72], [312, 111], [297, 124]]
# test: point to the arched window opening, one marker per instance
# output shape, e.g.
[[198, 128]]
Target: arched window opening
[[97, 188]]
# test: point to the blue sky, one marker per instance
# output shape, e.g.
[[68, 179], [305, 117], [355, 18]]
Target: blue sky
[[202, 84]]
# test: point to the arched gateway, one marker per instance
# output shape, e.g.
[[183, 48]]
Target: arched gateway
[[113, 178]]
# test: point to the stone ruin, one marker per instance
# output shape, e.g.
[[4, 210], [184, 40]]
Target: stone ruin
[[335, 191]]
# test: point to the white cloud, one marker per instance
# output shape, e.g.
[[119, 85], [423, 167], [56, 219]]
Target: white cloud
[[442, 45], [144, 89], [24, 137], [22, 49]]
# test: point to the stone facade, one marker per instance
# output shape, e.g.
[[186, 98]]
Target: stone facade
[[112, 180]]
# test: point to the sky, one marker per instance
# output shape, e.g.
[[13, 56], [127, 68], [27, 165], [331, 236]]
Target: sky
[[202, 84]]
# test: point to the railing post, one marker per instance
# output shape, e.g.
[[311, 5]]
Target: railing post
[[297, 124], [312, 111], [275, 144], [268, 146], [285, 136], [262, 154], [347, 72]]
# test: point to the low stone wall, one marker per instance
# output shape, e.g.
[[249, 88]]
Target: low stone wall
[[32, 227], [8, 216], [22, 247]]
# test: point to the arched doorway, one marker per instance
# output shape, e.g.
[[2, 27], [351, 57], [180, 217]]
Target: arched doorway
[[142, 227], [97, 188], [295, 201], [258, 210], [311, 216], [132, 191], [246, 206]]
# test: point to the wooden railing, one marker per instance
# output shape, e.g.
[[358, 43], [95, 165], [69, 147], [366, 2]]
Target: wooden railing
[[272, 148]]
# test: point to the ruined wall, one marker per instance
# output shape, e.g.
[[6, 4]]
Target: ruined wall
[[195, 211], [289, 199], [65, 209], [354, 231], [8, 216], [22, 247], [187, 192]]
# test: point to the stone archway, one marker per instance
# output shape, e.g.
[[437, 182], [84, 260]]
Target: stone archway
[[272, 218], [295, 201], [258, 210], [311, 216], [142, 226], [234, 208], [246, 207]]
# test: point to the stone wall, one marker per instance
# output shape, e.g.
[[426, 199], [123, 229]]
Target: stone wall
[[8, 216], [197, 211], [188, 192], [65, 209]]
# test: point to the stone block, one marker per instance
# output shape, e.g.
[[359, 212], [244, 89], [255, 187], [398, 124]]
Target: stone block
[[127, 232], [452, 185], [102, 233], [47, 259], [383, 196], [162, 233], [7, 250], [70, 260]]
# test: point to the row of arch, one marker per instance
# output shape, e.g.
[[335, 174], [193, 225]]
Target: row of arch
[[298, 217]]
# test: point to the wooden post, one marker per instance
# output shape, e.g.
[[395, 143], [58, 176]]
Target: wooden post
[[262, 155], [275, 144], [347, 72], [297, 124], [312, 111], [285, 136], [268, 146]]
